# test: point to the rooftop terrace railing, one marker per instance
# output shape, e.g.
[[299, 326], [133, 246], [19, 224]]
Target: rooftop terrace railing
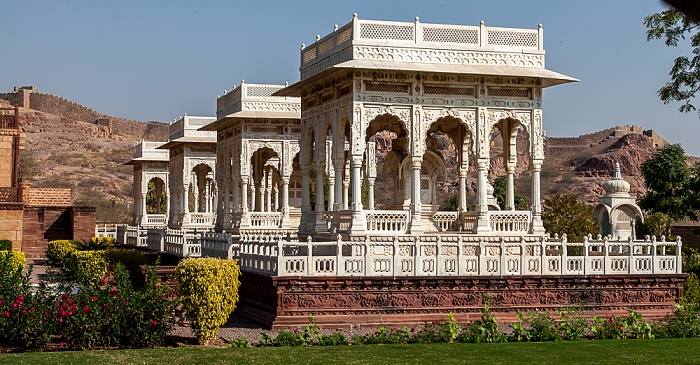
[[249, 96], [421, 35], [149, 150]]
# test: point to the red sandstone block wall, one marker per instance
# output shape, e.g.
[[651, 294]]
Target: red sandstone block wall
[[84, 220], [53, 197]]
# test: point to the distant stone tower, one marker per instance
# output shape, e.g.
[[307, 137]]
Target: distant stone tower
[[617, 211]]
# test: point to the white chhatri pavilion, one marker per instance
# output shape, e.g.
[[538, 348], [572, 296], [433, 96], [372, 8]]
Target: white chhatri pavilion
[[257, 144], [419, 80]]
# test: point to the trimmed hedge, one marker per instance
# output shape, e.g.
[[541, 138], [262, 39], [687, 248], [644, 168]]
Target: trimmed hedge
[[86, 267], [208, 289], [58, 250]]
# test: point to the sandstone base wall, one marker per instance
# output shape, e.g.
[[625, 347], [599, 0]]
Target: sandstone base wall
[[281, 302]]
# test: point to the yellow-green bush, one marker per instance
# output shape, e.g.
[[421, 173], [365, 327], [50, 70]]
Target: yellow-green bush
[[57, 251], [86, 267], [16, 258], [208, 293]]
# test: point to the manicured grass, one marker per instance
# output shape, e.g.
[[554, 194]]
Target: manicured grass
[[628, 352]]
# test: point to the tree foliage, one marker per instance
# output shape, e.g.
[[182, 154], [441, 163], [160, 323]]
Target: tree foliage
[[499, 192], [565, 213], [672, 186], [673, 27]]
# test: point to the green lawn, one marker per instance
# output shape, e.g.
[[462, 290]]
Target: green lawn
[[628, 352]]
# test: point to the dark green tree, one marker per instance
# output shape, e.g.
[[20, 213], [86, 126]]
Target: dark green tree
[[499, 192], [672, 186], [565, 213], [673, 27]]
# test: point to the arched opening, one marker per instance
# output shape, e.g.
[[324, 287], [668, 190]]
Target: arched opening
[[201, 189], [156, 196], [265, 178], [386, 152], [509, 138]]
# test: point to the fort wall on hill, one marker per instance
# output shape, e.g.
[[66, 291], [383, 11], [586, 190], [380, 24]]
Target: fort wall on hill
[[28, 97]]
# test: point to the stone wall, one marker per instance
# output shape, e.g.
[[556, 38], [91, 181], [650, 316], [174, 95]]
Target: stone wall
[[54, 197], [11, 224], [42, 224]]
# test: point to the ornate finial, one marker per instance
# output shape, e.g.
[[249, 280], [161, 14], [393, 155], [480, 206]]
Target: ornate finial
[[335, 27], [481, 23], [185, 114], [539, 26], [318, 37], [616, 172], [286, 83], [234, 87], [242, 81], [303, 46], [354, 15], [224, 92], [417, 19]]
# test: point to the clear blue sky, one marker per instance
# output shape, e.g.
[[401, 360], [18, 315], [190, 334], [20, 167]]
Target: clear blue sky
[[148, 60]]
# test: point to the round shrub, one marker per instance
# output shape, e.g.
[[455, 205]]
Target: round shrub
[[16, 259], [86, 267], [57, 251], [208, 289]]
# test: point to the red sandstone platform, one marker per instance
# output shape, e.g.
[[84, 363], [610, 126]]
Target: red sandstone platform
[[280, 302]]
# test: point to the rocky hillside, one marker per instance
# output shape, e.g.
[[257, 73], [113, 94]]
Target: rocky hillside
[[84, 155]]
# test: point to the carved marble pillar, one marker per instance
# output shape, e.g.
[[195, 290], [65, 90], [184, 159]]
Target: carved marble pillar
[[416, 224], [537, 228], [285, 202], [370, 193], [482, 208], [268, 192], [143, 208], [358, 220], [462, 190], [331, 193], [236, 196], [245, 217], [167, 207], [320, 225], [338, 188], [510, 190], [346, 186]]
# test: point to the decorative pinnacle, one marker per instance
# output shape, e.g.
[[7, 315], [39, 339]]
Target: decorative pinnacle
[[335, 27], [354, 15], [303, 46], [417, 19], [318, 37], [286, 83], [242, 81], [616, 172], [539, 26]]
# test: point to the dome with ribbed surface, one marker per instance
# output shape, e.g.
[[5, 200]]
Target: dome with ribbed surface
[[617, 186]]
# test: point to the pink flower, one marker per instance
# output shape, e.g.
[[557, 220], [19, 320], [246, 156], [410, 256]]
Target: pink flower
[[63, 313], [7, 314], [104, 305], [21, 298], [59, 319], [86, 309], [154, 322], [0, 301], [94, 298], [104, 280]]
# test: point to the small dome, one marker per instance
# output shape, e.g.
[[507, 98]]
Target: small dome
[[617, 186], [489, 189]]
